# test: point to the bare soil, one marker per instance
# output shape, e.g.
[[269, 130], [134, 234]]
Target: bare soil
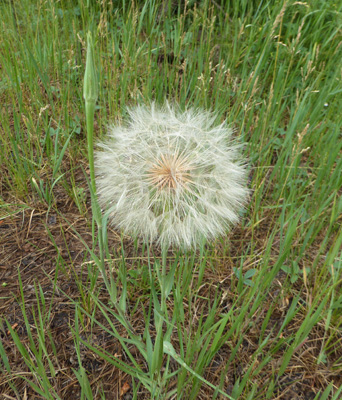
[[32, 242]]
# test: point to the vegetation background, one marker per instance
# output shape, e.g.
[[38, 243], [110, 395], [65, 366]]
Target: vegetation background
[[255, 315]]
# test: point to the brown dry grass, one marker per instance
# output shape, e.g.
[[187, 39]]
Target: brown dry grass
[[26, 245]]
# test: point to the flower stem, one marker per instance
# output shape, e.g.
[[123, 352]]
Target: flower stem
[[90, 94], [90, 112]]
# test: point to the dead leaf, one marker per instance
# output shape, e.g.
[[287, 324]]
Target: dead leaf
[[13, 327], [125, 388]]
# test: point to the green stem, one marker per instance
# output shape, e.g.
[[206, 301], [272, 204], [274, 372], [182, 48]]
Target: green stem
[[163, 283], [90, 112]]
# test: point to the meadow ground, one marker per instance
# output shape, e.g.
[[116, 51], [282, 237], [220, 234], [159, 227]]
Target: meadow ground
[[255, 315]]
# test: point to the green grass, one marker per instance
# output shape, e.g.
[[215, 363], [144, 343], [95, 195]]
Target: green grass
[[261, 304]]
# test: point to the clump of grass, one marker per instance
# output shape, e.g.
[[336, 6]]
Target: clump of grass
[[270, 71]]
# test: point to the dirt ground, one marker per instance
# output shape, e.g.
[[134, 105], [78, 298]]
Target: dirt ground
[[31, 243]]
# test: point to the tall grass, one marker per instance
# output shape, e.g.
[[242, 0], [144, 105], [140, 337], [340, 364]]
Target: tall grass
[[273, 70]]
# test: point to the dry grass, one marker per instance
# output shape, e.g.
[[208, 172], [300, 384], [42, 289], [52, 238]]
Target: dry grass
[[33, 240], [277, 275]]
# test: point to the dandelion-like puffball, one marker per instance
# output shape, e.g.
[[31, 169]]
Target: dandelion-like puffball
[[172, 177]]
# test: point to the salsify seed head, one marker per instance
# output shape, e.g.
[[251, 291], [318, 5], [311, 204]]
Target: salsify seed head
[[172, 177], [169, 172]]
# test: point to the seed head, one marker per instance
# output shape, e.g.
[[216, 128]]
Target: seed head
[[171, 177], [168, 172]]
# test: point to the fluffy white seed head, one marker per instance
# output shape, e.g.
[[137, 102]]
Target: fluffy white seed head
[[171, 177]]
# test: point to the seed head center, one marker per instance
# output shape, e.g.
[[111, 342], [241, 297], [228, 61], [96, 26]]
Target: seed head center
[[170, 172]]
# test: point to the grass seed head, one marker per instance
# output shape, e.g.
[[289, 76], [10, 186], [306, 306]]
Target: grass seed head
[[170, 176]]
